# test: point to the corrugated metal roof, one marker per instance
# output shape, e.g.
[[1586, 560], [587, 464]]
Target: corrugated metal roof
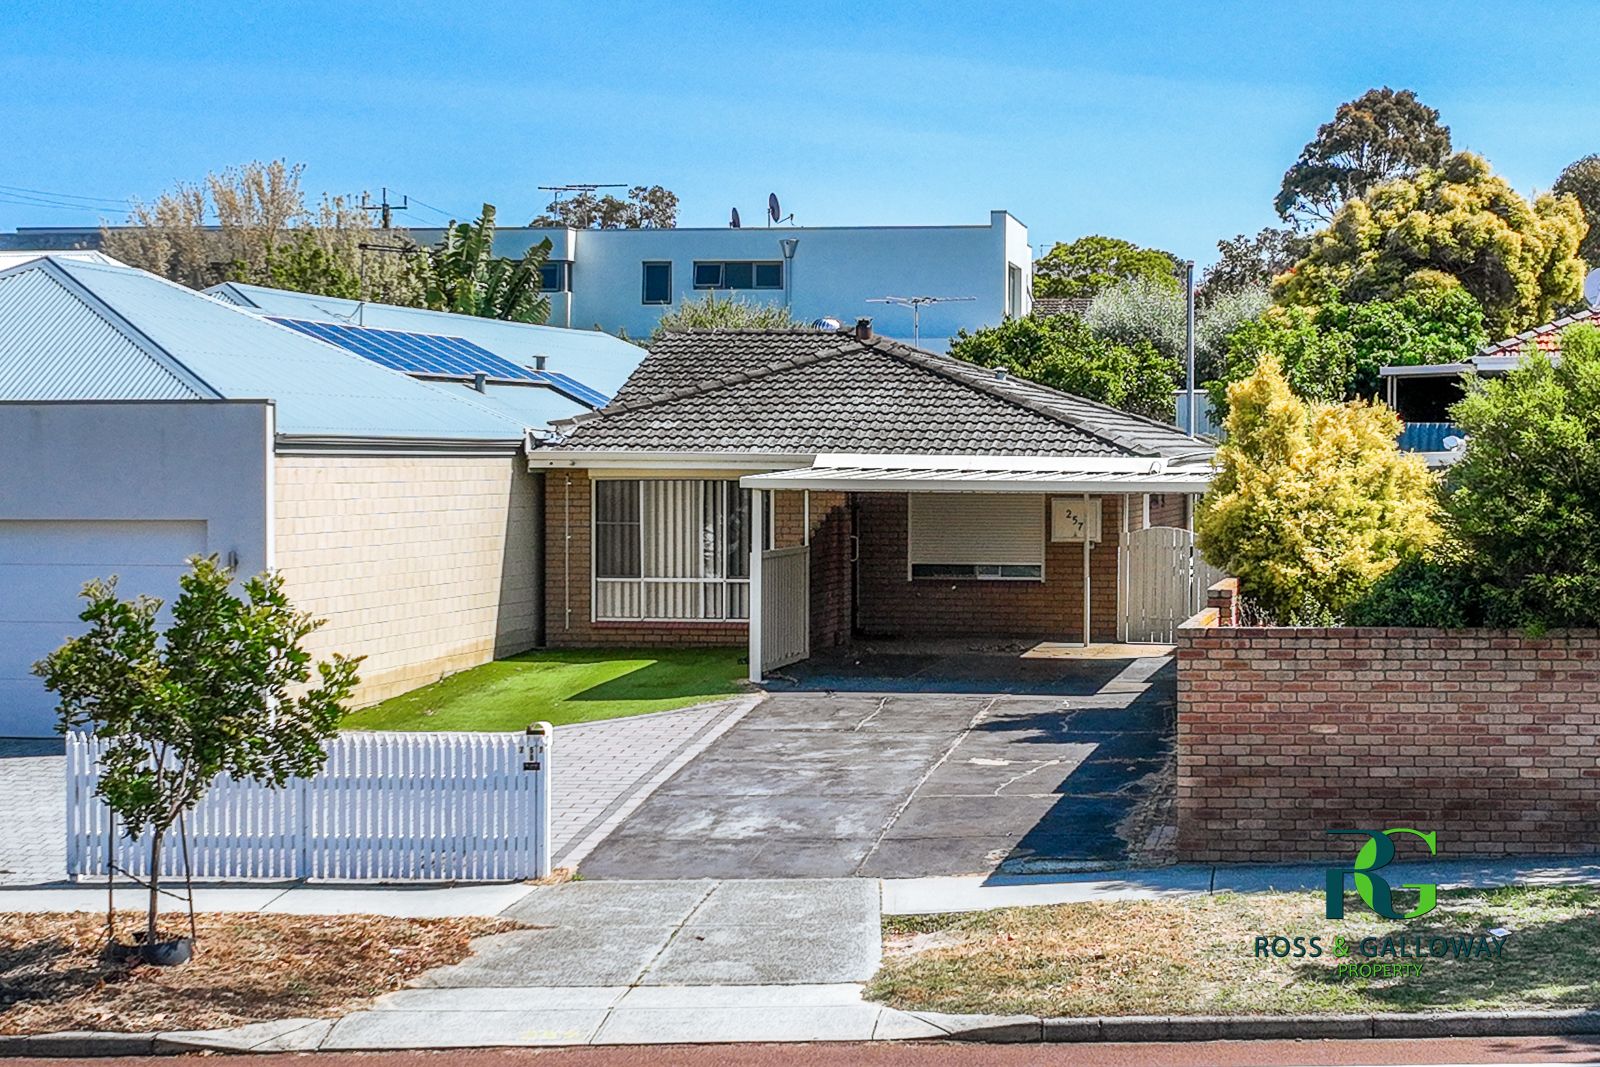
[[532, 405], [319, 389], [596, 359], [54, 346]]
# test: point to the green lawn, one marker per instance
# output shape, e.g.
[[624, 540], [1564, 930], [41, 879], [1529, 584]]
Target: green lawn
[[576, 685], [1195, 957]]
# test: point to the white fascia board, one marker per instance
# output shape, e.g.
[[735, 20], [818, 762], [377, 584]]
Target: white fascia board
[[1076, 464], [1427, 370], [855, 482], [557, 459]]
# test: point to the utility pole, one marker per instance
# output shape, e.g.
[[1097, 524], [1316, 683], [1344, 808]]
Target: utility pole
[[385, 209], [1188, 342]]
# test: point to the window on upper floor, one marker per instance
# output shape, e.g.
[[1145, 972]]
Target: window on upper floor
[[738, 274], [657, 283], [556, 276]]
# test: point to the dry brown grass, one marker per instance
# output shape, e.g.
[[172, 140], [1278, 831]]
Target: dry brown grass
[[248, 968], [1196, 957]]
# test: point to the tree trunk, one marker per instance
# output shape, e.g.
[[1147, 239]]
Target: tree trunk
[[155, 888]]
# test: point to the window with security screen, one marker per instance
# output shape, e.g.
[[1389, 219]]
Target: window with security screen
[[671, 549], [980, 536]]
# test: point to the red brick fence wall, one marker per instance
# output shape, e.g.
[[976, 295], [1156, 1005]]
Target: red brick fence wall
[[1489, 737]]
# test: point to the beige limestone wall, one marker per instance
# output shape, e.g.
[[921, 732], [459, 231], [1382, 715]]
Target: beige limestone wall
[[424, 564]]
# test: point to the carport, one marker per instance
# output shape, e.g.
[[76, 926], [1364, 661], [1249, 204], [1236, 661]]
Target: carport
[[1061, 547]]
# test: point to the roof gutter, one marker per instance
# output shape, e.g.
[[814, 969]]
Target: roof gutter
[[598, 459], [331, 444]]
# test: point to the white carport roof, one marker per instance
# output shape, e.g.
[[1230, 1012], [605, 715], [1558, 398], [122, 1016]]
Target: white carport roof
[[987, 474]]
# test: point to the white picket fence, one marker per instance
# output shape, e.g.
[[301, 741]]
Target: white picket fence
[[385, 807]]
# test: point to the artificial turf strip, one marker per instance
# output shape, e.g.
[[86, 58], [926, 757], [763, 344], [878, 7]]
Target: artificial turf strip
[[1195, 956], [561, 686], [247, 968]]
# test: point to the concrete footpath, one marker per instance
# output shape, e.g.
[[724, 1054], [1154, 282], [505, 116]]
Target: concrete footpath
[[900, 896], [706, 961]]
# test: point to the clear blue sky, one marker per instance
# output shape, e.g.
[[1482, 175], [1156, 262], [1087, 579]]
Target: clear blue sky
[[1166, 123]]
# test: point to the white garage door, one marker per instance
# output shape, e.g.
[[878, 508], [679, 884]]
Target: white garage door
[[43, 566]]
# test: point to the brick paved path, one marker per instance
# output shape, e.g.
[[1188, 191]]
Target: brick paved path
[[603, 770], [33, 818]]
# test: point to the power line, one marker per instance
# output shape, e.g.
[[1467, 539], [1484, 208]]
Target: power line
[[64, 196], [79, 209], [436, 210]]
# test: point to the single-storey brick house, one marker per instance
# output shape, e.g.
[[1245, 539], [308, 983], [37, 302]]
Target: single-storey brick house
[[897, 493]]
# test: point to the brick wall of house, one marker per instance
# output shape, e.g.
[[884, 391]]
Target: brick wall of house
[[1167, 509], [569, 621], [832, 585], [1487, 737], [892, 605], [425, 565]]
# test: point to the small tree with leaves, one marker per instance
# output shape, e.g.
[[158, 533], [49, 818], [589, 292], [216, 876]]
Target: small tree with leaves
[[1062, 352], [227, 689], [1093, 263], [732, 313]]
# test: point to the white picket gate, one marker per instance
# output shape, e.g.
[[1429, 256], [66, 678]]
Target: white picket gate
[[385, 807], [785, 606], [1164, 582]]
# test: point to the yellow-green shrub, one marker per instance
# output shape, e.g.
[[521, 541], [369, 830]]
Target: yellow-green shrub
[[1312, 502]]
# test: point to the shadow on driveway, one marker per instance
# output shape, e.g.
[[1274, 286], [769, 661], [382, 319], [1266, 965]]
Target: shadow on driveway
[[908, 765]]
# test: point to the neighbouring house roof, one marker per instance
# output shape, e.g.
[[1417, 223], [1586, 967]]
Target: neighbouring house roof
[[804, 393], [1045, 306], [597, 359], [1546, 338], [1502, 355], [75, 329]]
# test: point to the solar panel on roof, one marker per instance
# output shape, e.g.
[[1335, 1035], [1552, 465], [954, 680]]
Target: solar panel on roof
[[572, 387], [415, 353], [438, 354]]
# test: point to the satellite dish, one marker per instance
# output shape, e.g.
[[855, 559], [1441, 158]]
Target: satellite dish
[[773, 211], [1591, 288], [734, 221]]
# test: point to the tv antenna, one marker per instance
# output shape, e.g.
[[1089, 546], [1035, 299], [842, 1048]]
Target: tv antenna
[[774, 212], [581, 187], [916, 304], [385, 209], [733, 219]]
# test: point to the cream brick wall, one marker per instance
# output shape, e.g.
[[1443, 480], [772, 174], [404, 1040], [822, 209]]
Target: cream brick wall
[[425, 565]]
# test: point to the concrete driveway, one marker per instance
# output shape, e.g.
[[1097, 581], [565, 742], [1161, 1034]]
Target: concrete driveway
[[907, 765]]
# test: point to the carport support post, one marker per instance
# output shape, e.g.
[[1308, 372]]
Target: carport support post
[[758, 540], [1086, 605]]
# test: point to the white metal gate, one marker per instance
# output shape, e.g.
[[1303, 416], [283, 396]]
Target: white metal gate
[[1164, 582], [785, 606], [386, 806]]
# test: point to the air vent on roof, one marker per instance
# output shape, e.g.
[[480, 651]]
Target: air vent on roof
[[1000, 374]]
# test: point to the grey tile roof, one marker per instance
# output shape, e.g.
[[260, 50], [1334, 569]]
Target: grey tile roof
[[807, 393], [683, 359]]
